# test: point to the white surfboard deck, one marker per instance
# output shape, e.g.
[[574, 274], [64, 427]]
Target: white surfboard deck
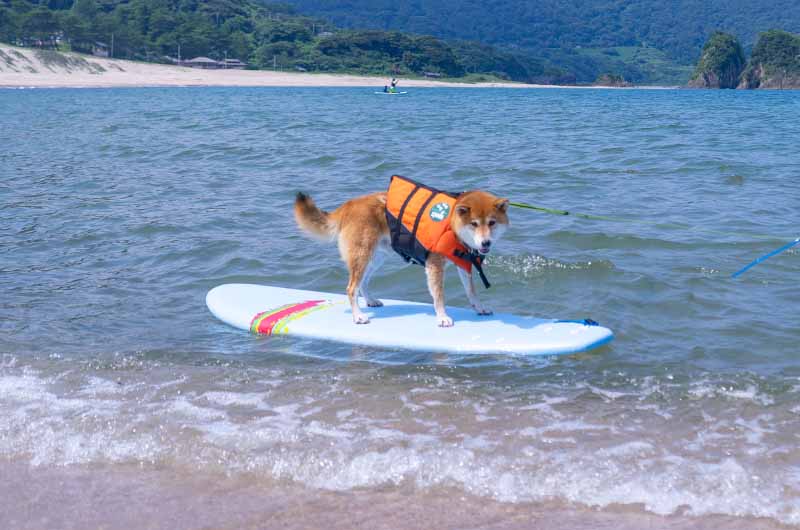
[[392, 93], [397, 325]]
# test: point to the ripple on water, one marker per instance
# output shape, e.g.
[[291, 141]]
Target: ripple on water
[[110, 241]]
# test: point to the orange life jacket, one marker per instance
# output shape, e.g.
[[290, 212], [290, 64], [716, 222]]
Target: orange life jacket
[[419, 223]]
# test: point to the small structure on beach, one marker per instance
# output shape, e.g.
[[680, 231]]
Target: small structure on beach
[[100, 49], [207, 63], [233, 63], [202, 62]]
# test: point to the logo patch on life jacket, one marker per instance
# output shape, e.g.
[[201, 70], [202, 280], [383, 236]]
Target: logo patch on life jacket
[[440, 211]]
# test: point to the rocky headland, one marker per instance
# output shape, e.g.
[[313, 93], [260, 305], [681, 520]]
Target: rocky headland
[[774, 63]]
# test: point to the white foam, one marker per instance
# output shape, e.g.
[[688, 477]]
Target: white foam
[[546, 403], [705, 389], [376, 433], [97, 386], [183, 407], [533, 432], [564, 428], [344, 414], [753, 429], [407, 403], [481, 443], [608, 395], [22, 389], [31, 394], [750, 393], [635, 448], [321, 429], [241, 399], [53, 430], [554, 448], [560, 440]]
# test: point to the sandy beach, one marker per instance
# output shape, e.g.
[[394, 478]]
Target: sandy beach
[[31, 68], [26, 67]]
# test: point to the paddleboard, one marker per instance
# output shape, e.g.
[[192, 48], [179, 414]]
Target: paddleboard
[[398, 324], [392, 93]]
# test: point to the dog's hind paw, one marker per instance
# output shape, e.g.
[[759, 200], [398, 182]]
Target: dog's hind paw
[[444, 321], [481, 310], [374, 302], [361, 318]]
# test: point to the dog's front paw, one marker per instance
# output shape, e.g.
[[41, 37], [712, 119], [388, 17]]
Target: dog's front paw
[[374, 302], [481, 310], [360, 318], [444, 321]]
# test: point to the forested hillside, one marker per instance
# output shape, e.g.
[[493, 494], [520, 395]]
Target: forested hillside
[[544, 41], [261, 34], [562, 30]]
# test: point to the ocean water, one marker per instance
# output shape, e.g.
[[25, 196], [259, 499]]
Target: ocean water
[[125, 404]]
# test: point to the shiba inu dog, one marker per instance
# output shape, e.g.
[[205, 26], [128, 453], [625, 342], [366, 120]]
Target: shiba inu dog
[[424, 225]]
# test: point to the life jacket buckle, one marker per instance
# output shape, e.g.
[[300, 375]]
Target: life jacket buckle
[[477, 260]]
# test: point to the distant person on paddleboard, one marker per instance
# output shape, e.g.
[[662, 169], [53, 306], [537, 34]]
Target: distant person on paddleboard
[[393, 88]]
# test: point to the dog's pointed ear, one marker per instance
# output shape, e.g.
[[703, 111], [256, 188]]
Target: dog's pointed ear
[[501, 205], [462, 210]]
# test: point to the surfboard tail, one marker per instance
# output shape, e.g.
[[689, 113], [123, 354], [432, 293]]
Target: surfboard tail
[[310, 218]]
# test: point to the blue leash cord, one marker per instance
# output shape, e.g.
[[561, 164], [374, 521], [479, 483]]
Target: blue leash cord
[[554, 211], [766, 257]]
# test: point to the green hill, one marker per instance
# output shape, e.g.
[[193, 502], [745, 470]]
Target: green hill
[[263, 35], [563, 30]]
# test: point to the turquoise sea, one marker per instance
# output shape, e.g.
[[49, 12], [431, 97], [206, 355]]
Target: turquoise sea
[[125, 404]]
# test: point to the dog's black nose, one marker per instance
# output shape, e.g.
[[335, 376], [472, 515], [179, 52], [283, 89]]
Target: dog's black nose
[[486, 243]]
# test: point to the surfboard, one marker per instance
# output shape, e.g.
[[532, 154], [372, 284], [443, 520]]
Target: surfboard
[[392, 93], [398, 324]]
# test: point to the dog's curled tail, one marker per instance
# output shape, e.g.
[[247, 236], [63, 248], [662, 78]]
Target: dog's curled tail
[[310, 218]]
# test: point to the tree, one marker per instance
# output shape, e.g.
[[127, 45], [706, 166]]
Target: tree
[[239, 46], [8, 25], [162, 22], [291, 32], [282, 52], [78, 32], [85, 9], [59, 5], [40, 24]]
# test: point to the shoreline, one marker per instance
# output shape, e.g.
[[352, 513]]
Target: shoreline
[[133, 497], [22, 68]]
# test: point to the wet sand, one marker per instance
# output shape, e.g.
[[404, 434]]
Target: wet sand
[[78, 498]]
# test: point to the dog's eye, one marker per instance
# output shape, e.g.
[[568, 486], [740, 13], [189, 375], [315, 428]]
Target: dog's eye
[[475, 224], [492, 222]]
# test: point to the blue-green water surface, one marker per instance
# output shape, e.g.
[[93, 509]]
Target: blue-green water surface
[[121, 208]]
